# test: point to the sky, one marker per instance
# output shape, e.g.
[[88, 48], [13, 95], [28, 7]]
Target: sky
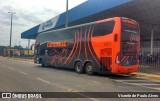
[[29, 13]]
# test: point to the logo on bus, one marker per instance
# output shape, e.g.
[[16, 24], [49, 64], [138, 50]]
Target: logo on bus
[[58, 44]]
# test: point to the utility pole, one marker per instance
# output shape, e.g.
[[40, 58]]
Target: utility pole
[[66, 13], [10, 43], [28, 46], [152, 41]]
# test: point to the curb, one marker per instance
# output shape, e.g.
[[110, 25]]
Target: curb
[[29, 60], [145, 75]]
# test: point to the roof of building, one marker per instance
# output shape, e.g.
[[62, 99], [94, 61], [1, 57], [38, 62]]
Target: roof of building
[[146, 12], [77, 13]]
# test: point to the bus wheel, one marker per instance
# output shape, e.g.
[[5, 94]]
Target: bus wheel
[[43, 63], [89, 68], [78, 67]]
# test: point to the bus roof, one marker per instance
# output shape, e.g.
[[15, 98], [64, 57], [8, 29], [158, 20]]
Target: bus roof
[[99, 21]]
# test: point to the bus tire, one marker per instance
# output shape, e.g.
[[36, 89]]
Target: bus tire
[[78, 67], [89, 68], [43, 63]]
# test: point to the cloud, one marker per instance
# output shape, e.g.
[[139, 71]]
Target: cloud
[[29, 13], [22, 20]]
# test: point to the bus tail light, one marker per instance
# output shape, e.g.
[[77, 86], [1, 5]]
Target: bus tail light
[[118, 58]]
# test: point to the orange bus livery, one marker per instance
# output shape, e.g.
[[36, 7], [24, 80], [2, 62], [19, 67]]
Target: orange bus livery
[[106, 46]]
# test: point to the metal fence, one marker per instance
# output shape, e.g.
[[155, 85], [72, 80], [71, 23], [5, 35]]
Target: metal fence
[[15, 53], [149, 63], [1, 52]]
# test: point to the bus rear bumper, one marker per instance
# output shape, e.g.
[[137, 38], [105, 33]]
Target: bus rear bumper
[[125, 69]]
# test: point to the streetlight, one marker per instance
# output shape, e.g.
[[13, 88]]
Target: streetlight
[[67, 13], [11, 33]]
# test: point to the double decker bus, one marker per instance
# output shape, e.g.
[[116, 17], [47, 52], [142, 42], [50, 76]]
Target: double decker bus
[[106, 46]]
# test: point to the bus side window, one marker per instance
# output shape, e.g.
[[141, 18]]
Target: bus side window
[[104, 28]]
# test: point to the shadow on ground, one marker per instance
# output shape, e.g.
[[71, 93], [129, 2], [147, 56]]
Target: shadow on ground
[[110, 76]]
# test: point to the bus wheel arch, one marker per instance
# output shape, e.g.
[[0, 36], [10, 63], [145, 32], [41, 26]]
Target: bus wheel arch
[[89, 67], [40, 60], [78, 66]]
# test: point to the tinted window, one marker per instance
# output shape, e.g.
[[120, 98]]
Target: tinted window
[[130, 43], [42, 49], [105, 28], [129, 27], [56, 36], [129, 33]]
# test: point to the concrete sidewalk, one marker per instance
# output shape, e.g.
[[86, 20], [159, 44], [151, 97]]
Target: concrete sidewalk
[[146, 75], [18, 59]]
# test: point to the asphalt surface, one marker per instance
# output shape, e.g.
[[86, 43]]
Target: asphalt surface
[[25, 76]]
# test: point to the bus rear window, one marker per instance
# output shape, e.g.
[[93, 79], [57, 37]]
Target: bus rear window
[[102, 29], [129, 38], [128, 27]]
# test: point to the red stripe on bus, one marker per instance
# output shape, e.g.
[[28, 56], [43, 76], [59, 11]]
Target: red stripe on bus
[[80, 41], [126, 57], [85, 40], [129, 50], [89, 37], [76, 47], [75, 39]]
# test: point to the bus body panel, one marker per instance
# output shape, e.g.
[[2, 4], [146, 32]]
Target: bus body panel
[[98, 42], [129, 47]]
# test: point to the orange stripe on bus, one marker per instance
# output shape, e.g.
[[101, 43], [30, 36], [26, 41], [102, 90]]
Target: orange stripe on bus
[[76, 47], [72, 49], [85, 40], [80, 35], [89, 37]]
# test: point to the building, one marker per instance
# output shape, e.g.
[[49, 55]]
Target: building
[[146, 12]]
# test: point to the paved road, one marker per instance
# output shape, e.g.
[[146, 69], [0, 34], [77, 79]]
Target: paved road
[[25, 76]]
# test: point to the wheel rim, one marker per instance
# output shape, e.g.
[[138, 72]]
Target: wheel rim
[[78, 67], [89, 68]]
